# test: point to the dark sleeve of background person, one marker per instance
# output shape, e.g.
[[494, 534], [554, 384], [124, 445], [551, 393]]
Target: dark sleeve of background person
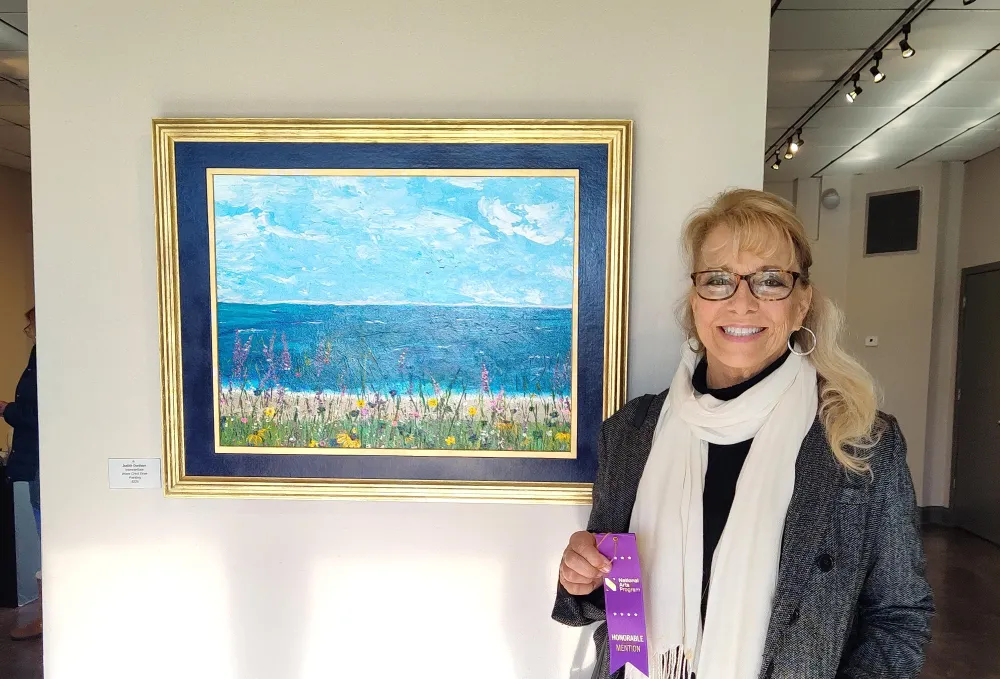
[[22, 412]]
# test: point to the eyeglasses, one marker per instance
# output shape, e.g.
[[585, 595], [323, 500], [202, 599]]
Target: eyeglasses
[[771, 285]]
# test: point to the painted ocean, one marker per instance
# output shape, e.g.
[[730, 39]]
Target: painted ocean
[[316, 348]]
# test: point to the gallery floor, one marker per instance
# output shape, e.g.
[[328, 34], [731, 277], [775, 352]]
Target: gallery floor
[[963, 571]]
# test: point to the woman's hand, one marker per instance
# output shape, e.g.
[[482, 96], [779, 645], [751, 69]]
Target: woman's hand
[[583, 567], [3, 407]]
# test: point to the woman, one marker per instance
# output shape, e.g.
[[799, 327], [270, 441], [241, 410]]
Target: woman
[[773, 508], [22, 465]]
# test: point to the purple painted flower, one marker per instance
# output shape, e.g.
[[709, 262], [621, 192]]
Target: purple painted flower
[[240, 353], [485, 375], [286, 358], [498, 403], [271, 376]]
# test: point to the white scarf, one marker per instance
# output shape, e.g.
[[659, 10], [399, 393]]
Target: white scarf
[[667, 520]]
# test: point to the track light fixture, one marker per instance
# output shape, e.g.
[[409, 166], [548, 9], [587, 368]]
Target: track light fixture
[[777, 162], [790, 149], [853, 94], [877, 75], [800, 142], [904, 44]]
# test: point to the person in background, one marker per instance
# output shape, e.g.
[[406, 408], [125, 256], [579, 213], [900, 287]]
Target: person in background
[[774, 512], [22, 465]]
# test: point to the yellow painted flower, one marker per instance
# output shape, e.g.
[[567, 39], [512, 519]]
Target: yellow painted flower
[[432, 402], [313, 443], [473, 410], [269, 412], [255, 439], [505, 426], [562, 437], [345, 440], [361, 403], [409, 438], [450, 441]]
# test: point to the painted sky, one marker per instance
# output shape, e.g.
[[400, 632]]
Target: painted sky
[[383, 239]]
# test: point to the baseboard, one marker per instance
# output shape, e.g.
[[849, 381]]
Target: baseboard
[[937, 516]]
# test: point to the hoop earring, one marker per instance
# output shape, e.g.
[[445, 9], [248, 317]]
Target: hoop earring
[[697, 344], [791, 347]]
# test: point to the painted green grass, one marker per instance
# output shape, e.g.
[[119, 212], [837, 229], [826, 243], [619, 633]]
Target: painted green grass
[[441, 420]]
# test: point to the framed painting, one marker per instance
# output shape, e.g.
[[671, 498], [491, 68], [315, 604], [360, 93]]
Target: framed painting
[[390, 309]]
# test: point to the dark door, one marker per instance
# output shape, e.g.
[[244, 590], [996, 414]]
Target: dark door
[[976, 491]]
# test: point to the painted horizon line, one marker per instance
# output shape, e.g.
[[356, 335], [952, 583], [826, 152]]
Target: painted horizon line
[[365, 303]]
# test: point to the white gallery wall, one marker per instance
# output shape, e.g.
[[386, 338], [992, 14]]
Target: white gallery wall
[[908, 300], [892, 297], [139, 585]]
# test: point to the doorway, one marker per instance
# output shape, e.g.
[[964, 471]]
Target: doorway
[[975, 497]]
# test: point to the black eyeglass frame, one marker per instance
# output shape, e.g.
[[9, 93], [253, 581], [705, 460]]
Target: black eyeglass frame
[[796, 277]]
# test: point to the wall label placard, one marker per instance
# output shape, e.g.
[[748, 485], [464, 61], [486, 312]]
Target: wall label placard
[[134, 473]]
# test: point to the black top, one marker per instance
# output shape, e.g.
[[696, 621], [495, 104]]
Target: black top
[[22, 415], [725, 462]]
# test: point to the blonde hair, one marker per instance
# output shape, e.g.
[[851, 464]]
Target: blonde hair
[[764, 223]]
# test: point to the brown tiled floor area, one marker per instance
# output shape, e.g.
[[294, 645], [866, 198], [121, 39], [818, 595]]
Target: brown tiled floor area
[[963, 570]]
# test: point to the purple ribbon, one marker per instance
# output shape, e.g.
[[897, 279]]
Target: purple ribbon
[[626, 615]]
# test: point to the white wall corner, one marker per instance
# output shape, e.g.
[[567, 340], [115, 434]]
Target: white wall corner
[[831, 245], [807, 193], [944, 340]]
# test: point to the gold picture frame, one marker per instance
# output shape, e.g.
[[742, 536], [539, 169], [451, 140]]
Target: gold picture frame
[[189, 153]]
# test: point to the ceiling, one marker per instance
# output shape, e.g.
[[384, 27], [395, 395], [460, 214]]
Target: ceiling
[[941, 104], [14, 137]]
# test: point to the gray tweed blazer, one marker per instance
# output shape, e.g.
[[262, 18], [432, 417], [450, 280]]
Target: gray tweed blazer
[[851, 598]]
